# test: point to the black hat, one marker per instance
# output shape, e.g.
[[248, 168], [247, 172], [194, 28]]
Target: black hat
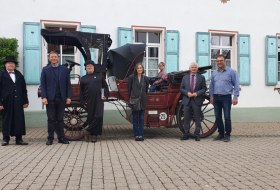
[[89, 62], [10, 59]]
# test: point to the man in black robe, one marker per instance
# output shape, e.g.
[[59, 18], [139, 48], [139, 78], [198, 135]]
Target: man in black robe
[[13, 98], [94, 90]]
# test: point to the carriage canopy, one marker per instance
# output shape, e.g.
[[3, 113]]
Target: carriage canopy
[[84, 41]]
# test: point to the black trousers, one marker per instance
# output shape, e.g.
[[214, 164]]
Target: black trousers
[[192, 111], [95, 126], [55, 113]]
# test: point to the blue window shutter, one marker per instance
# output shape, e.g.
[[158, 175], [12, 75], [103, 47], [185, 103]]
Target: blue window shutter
[[124, 36], [244, 59], [203, 51], [32, 52], [172, 50], [90, 29], [271, 67]]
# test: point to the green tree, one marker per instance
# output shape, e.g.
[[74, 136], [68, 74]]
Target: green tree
[[8, 47]]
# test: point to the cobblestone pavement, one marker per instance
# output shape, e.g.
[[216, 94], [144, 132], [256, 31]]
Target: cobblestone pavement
[[250, 161]]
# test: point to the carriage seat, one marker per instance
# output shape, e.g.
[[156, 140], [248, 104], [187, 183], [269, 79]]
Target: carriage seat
[[163, 87]]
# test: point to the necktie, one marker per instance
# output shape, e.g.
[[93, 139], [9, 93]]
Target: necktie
[[192, 83], [11, 72]]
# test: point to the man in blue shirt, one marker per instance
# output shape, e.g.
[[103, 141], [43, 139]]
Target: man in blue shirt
[[224, 84]]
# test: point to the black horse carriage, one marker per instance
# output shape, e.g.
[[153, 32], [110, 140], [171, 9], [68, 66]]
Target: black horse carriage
[[164, 108]]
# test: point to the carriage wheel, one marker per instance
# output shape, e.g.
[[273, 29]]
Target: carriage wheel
[[208, 125], [75, 118]]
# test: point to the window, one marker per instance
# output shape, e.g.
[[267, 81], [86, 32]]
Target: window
[[153, 38], [278, 45], [66, 52], [225, 44]]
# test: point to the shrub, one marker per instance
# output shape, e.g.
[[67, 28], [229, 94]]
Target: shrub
[[8, 47]]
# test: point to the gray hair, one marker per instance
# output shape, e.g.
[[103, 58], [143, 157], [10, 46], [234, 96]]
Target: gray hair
[[193, 64]]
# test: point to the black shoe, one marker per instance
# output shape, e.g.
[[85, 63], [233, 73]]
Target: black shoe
[[184, 137], [227, 138], [21, 143], [141, 138], [219, 137], [197, 138], [63, 141], [49, 142], [5, 143], [93, 139]]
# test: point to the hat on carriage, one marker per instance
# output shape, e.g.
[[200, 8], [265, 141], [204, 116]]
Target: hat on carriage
[[10, 59], [89, 62]]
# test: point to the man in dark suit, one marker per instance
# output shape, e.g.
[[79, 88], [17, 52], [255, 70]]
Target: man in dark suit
[[193, 88], [13, 98], [56, 92]]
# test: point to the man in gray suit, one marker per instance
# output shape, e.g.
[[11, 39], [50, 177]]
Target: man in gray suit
[[193, 88]]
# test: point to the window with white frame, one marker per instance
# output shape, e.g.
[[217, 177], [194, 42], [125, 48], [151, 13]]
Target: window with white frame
[[153, 38], [225, 44], [65, 52], [278, 45]]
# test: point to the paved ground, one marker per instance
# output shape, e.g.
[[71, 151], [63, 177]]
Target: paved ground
[[249, 161]]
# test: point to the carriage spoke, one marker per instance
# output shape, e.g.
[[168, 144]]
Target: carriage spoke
[[205, 125], [208, 111], [209, 121]]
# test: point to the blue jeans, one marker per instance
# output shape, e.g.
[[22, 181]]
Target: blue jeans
[[138, 123], [153, 88], [222, 103]]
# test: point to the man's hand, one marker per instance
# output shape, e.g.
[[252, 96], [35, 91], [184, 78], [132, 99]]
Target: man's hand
[[25, 105], [1, 108], [211, 101], [190, 95], [44, 101], [234, 101], [68, 101]]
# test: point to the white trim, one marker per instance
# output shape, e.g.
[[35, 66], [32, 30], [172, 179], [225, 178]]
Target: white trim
[[161, 45], [233, 48]]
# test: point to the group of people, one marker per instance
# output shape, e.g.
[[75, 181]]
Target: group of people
[[224, 92], [56, 95]]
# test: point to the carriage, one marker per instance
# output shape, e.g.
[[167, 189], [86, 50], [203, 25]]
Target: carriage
[[164, 108]]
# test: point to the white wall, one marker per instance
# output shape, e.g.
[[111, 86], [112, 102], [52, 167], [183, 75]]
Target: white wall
[[257, 18]]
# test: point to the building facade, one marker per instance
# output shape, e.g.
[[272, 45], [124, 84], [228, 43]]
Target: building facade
[[176, 32]]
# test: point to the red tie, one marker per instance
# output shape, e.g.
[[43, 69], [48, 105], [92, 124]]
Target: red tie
[[192, 84]]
